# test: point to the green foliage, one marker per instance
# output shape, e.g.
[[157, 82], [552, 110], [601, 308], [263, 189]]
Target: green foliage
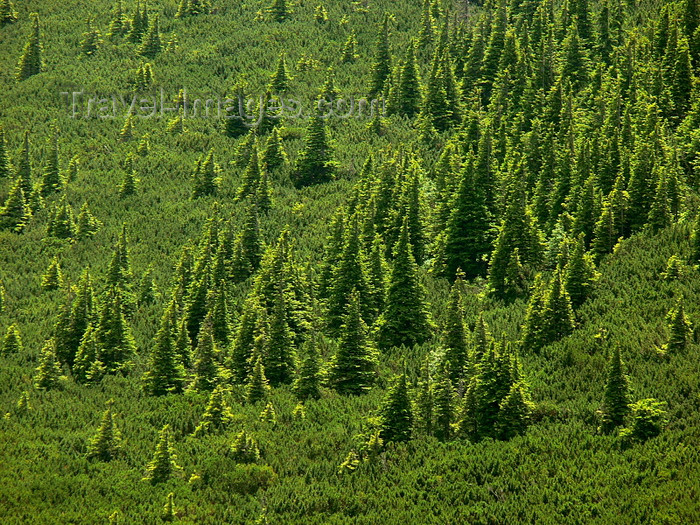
[[8, 15], [315, 164], [406, 319], [616, 395], [106, 443], [31, 61], [12, 343], [648, 418], [396, 413], [163, 465], [91, 41], [53, 278], [353, 368], [48, 372], [216, 416]]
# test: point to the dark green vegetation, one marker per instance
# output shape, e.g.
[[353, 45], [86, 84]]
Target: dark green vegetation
[[480, 307]]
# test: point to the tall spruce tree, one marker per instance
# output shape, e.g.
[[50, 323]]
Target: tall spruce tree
[[31, 62], [353, 369], [12, 343], [678, 328], [163, 465], [48, 372], [105, 445], [396, 413], [205, 368], [443, 404], [307, 382], [315, 163], [381, 67], [616, 396], [51, 181], [16, 213], [467, 233], [217, 414], [165, 374], [455, 335], [405, 320], [115, 344]]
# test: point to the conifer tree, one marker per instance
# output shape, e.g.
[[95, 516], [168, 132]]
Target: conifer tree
[[72, 326], [15, 214], [349, 53], [353, 368], [468, 229], [279, 11], [119, 25], [405, 320], [205, 368], [258, 386], [128, 184], [533, 339], [660, 210], [274, 155], [23, 165], [165, 374], [12, 343], [86, 225], [424, 403], [616, 397], [91, 41], [163, 465], [127, 131], [427, 26], [119, 272], [138, 25], [31, 62], [268, 414], [557, 313], [375, 278], [409, 88], [53, 278], [695, 241], [245, 449], [106, 443], [49, 370], [514, 413], [51, 179], [5, 165], [241, 353], [315, 163], [381, 67], [115, 343], [307, 382], [248, 247], [579, 273], [146, 292], [519, 231], [8, 15], [443, 408], [151, 44], [61, 223], [279, 82], [217, 414], [205, 177], [678, 327], [85, 366], [396, 415], [279, 359], [456, 346], [251, 176], [349, 275], [168, 513]]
